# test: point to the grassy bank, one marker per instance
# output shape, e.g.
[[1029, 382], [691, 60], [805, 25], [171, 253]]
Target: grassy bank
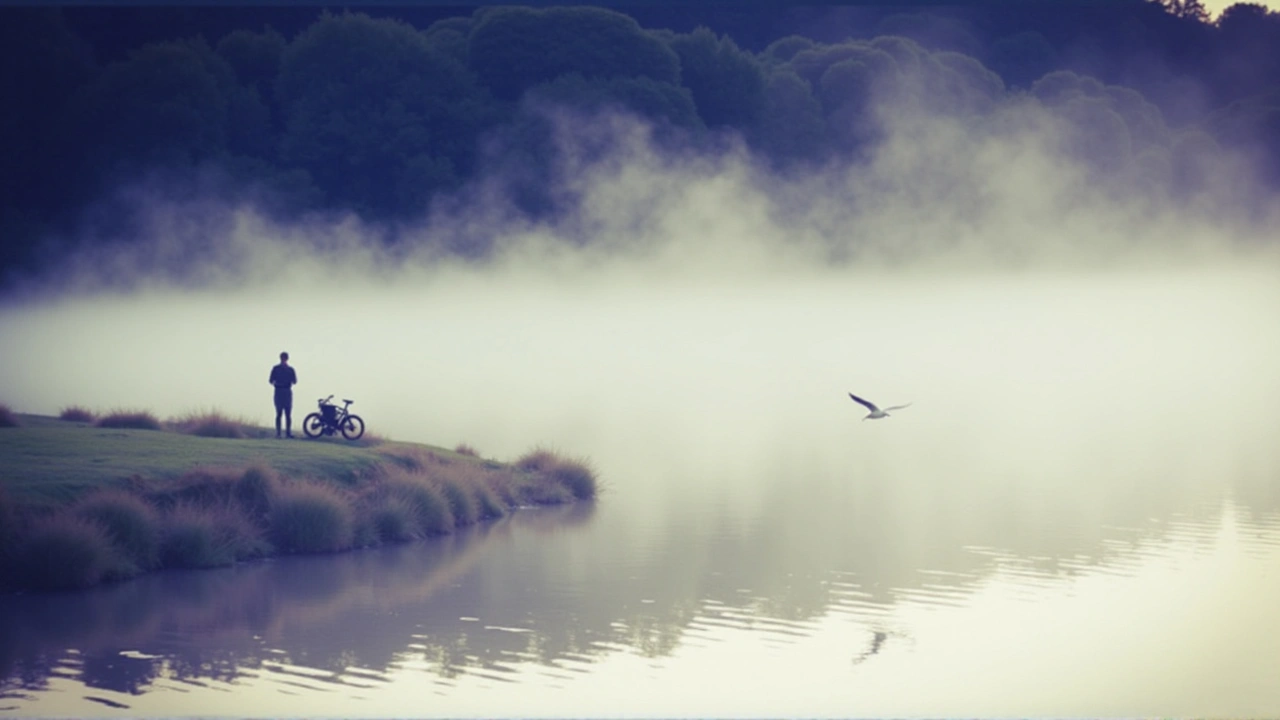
[[83, 501]]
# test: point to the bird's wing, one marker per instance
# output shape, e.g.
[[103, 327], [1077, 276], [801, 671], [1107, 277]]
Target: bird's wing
[[897, 407], [865, 403]]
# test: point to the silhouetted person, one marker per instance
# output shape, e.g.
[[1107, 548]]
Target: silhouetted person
[[283, 378]]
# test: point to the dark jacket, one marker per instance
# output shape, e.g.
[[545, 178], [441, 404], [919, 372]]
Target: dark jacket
[[283, 377]]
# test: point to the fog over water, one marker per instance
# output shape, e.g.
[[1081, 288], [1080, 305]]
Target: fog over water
[[984, 277], [1078, 360]]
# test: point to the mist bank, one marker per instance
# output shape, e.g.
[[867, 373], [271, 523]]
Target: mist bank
[[938, 194], [688, 372]]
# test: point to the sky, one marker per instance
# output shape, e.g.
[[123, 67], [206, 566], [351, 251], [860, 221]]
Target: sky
[[1215, 7]]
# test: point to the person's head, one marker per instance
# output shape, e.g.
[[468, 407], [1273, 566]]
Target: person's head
[[284, 357]]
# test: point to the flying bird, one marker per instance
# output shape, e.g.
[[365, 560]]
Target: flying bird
[[876, 412]]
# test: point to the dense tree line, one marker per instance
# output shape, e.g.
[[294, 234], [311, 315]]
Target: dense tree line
[[380, 112]]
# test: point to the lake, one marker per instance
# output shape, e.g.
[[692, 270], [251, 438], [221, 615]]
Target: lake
[[1079, 513]]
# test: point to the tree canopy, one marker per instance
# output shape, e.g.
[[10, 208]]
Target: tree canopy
[[379, 113]]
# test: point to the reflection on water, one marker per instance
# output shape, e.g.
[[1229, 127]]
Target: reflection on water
[[561, 597]]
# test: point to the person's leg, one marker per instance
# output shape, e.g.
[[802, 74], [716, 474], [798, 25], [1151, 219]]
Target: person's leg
[[288, 419], [278, 411]]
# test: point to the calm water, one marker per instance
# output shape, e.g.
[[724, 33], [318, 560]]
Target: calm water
[[1079, 514]]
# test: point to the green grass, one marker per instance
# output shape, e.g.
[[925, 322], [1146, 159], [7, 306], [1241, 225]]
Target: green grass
[[47, 462]]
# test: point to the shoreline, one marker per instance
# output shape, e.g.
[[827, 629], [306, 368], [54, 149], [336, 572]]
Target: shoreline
[[69, 520]]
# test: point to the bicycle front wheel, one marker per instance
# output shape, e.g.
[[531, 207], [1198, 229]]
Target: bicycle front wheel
[[313, 425], [352, 427]]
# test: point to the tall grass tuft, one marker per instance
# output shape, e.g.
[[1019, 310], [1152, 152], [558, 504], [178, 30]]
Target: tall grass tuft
[[465, 449], [8, 535], [213, 424], [310, 518], [502, 482], [462, 503], [430, 508], [488, 504], [75, 413], [129, 419], [393, 519], [255, 489], [67, 552], [207, 486], [7, 418], [191, 539], [129, 521], [200, 536], [539, 459], [544, 491], [576, 476]]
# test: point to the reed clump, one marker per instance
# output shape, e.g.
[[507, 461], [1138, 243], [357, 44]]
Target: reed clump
[[65, 551], [393, 519], [489, 505], [131, 524], [129, 420], [214, 424], [574, 475], [8, 533], [204, 536], [310, 518], [430, 507], [462, 503], [255, 489], [76, 413]]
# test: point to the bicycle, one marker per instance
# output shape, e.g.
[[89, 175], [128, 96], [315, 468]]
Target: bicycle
[[332, 419]]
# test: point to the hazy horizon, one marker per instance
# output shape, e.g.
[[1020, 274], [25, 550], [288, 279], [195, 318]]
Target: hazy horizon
[[682, 277]]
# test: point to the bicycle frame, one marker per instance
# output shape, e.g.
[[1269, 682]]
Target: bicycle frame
[[332, 419]]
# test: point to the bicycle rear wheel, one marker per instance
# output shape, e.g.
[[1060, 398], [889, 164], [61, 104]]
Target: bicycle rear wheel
[[313, 425], [352, 427]]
